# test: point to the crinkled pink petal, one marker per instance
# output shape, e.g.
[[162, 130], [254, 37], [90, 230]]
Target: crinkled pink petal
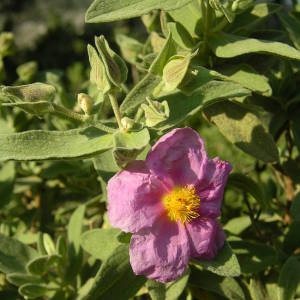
[[180, 156], [206, 238], [134, 198], [161, 253], [211, 188]]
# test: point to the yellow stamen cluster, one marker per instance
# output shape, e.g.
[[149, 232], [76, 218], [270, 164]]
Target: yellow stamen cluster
[[182, 204]]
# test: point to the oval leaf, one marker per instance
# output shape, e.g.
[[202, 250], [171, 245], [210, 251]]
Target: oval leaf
[[289, 278], [100, 243], [39, 144], [224, 264], [227, 45], [244, 129], [14, 255], [113, 10], [115, 279]]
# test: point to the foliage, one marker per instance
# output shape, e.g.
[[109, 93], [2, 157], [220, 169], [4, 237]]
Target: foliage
[[229, 69]]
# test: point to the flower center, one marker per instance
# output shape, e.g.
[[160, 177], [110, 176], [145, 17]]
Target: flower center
[[182, 204]]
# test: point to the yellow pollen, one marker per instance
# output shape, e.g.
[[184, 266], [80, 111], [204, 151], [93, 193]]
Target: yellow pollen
[[182, 204]]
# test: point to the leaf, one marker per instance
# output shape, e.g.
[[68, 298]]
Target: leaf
[[156, 290], [48, 244], [100, 243], [188, 16], [246, 76], [224, 286], [253, 257], [155, 112], [247, 184], [130, 48], [22, 278], [163, 57], [124, 237], [75, 253], [42, 264], [292, 26], [34, 92], [14, 255], [32, 291], [138, 94], [289, 279], [41, 145], [182, 107], [105, 162], [244, 129], [75, 227], [97, 74], [181, 36], [226, 45], [175, 288], [174, 71], [127, 145], [113, 10], [38, 108], [224, 264], [257, 290], [84, 289], [115, 68], [169, 291], [115, 279], [7, 178], [198, 77], [247, 22], [292, 238], [295, 208], [237, 225]]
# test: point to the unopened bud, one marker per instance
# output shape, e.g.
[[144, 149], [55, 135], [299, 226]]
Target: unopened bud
[[127, 123], [85, 102], [31, 92], [98, 73], [115, 67]]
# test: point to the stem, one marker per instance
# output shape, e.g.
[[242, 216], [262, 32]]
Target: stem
[[62, 111], [105, 128], [115, 107], [252, 216], [207, 18], [139, 114]]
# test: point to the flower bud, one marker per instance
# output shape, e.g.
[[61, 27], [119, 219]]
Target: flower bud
[[127, 123], [115, 67], [30, 92], [85, 102], [98, 73]]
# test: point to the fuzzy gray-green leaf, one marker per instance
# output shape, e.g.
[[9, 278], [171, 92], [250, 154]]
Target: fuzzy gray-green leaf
[[41, 145], [226, 45], [113, 10]]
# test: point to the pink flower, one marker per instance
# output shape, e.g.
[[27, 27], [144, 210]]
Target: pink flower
[[170, 203]]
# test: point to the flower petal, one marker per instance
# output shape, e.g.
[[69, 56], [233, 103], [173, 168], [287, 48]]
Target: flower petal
[[206, 238], [161, 253], [211, 187], [179, 155], [134, 198]]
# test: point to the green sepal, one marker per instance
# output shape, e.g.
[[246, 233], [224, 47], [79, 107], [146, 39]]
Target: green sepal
[[115, 67], [98, 74]]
